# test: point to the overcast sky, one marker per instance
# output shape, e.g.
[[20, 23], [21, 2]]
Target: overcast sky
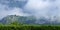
[[30, 7]]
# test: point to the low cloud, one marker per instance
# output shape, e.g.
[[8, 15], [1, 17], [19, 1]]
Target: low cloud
[[44, 8]]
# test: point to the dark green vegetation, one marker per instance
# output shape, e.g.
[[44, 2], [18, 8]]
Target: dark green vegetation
[[18, 26], [28, 27]]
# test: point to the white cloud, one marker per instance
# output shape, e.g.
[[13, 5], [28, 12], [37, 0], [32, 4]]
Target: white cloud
[[37, 6], [17, 11], [44, 7]]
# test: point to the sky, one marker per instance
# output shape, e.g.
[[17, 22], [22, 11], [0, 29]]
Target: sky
[[11, 7], [38, 8]]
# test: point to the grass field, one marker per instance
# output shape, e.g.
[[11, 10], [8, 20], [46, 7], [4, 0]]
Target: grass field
[[28, 27]]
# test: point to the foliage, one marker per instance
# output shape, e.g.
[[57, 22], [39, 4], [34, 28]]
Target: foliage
[[21, 27]]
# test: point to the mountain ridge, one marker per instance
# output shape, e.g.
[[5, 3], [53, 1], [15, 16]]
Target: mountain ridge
[[26, 20]]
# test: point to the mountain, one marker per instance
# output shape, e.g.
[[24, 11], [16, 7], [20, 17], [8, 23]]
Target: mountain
[[21, 19], [27, 20]]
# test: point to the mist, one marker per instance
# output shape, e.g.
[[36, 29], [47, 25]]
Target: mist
[[44, 8]]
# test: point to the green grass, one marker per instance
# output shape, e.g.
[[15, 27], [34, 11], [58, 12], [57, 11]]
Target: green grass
[[28, 27], [18, 26]]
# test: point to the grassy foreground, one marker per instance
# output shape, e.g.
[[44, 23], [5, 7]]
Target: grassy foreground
[[21, 27]]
